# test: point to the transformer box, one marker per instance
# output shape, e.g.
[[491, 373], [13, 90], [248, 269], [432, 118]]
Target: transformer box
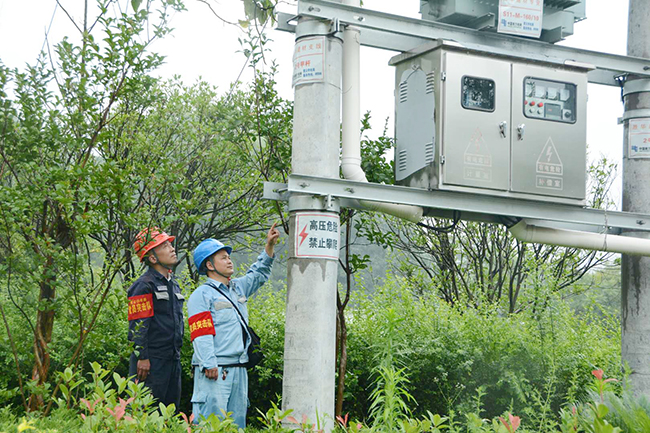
[[468, 120], [559, 15]]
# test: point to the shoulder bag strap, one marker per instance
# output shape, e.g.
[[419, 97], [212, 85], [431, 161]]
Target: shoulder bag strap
[[229, 300]]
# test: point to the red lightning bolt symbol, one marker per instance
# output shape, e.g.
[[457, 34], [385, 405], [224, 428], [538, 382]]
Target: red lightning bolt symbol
[[303, 234]]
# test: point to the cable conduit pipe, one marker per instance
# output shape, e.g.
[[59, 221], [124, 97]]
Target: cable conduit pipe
[[351, 113], [584, 240]]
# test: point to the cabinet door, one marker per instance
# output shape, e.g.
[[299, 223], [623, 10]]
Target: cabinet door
[[414, 125], [549, 132], [476, 121]]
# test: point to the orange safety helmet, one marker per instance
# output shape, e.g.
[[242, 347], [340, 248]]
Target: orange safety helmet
[[149, 239]]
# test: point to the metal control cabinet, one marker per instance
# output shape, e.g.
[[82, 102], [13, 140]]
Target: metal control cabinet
[[468, 120]]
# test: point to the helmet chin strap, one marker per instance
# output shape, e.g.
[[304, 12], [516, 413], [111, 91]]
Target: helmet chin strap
[[217, 272], [168, 267]]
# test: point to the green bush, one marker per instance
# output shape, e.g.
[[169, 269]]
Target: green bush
[[267, 310], [530, 363], [521, 361]]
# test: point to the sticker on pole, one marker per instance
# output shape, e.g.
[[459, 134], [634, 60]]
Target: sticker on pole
[[521, 17], [639, 138], [308, 61], [317, 235]]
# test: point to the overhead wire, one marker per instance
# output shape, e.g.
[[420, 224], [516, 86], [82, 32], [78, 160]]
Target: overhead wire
[[445, 229], [49, 27]]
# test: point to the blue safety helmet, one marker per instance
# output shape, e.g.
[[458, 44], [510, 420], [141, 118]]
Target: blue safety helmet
[[205, 250]]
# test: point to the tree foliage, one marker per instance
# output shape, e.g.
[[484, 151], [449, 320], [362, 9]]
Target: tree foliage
[[476, 263], [94, 148], [56, 191]]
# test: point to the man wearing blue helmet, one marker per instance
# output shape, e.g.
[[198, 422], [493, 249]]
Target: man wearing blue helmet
[[218, 332]]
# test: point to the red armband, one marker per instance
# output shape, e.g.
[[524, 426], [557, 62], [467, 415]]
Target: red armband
[[140, 306], [201, 324]]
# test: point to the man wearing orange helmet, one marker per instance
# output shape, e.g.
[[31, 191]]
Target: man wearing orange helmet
[[156, 318]]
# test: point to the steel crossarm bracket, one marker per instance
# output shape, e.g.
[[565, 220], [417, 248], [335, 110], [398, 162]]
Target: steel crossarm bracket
[[398, 33], [472, 207], [369, 38]]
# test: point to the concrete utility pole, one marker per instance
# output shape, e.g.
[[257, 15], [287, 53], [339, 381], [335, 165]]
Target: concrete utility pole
[[635, 270], [310, 327]]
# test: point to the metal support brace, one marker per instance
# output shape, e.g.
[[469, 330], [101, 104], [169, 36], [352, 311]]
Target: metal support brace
[[314, 202], [320, 27], [634, 114], [483, 22], [636, 86], [476, 207], [630, 87], [398, 33]]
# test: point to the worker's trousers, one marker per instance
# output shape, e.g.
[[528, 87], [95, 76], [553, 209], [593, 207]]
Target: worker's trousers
[[228, 393], [164, 379]]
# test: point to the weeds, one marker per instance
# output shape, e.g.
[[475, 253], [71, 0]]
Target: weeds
[[121, 405]]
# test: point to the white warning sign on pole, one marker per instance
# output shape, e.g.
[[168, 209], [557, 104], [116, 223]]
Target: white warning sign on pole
[[317, 235], [308, 61], [521, 17], [639, 138]]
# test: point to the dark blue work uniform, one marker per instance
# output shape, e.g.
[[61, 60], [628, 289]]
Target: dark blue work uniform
[[157, 335]]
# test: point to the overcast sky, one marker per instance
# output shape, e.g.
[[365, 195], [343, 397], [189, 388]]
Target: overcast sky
[[203, 46]]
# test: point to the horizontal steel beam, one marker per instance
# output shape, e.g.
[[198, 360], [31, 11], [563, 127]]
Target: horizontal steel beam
[[398, 33], [280, 192], [369, 37], [472, 207]]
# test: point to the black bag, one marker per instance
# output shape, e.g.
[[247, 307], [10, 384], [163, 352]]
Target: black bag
[[255, 354]]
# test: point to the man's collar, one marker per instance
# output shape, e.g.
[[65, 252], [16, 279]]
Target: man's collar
[[217, 282], [158, 275]]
